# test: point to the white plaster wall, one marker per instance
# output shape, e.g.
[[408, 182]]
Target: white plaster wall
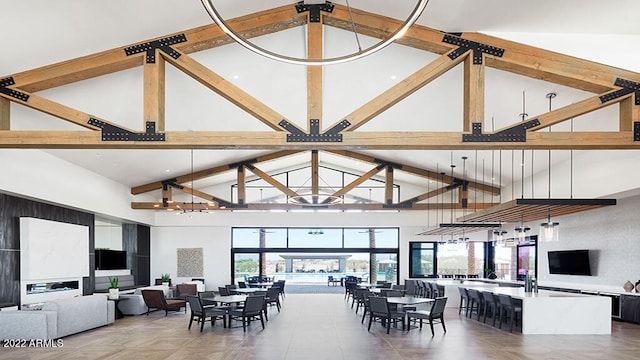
[[38, 175], [215, 242], [611, 236]]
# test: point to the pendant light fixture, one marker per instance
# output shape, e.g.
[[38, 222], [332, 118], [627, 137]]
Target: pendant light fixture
[[549, 230], [521, 233]]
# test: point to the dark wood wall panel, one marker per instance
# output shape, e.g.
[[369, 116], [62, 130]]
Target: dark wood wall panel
[[136, 242], [11, 209]]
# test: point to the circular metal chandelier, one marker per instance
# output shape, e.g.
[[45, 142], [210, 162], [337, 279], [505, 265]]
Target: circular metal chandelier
[[413, 17]]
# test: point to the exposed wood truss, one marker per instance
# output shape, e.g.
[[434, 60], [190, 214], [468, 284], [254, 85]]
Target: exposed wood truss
[[211, 202], [611, 86], [473, 51]]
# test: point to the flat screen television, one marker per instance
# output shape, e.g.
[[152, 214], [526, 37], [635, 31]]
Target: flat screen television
[[569, 262], [107, 259]]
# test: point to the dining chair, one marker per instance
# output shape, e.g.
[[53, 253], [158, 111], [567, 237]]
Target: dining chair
[[366, 306], [358, 298], [223, 291], [201, 313], [508, 309], [464, 299], [273, 297], [280, 284], [391, 293], [379, 309], [207, 295], [242, 285], [253, 308], [435, 315]]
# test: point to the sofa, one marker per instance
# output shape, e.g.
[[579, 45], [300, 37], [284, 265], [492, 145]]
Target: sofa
[[58, 318]]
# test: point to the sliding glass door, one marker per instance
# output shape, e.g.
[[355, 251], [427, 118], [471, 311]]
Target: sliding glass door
[[311, 255]]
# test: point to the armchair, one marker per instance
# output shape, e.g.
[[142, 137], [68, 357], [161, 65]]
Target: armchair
[[183, 290], [154, 299]]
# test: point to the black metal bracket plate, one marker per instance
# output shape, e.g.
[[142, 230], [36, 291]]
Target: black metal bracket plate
[[466, 45], [627, 86], [517, 133], [151, 46], [314, 9], [331, 135], [636, 131], [11, 92], [114, 133]]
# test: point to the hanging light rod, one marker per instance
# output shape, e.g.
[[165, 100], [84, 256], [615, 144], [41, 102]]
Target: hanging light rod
[[413, 17]]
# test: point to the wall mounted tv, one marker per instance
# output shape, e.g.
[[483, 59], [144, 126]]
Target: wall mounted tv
[[569, 262], [107, 259]]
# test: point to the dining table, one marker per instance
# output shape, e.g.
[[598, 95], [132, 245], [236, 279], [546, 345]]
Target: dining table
[[228, 299], [379, 291], [262, 285], [368, 286], [247, 291], [408, 300]]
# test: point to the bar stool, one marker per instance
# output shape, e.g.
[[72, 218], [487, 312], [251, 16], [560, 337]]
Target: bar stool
[[509, 309], [464, 299]]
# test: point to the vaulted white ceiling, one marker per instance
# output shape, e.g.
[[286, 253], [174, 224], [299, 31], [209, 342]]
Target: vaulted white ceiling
[[39, 32]]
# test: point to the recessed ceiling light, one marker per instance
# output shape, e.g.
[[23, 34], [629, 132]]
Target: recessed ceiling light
[[236, 76], [167, 170], [393, 77]]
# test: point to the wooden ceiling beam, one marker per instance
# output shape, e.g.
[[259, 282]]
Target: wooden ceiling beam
[[60, 111], [428, 195], [154, 92], [197, 39], [352, 185], [400, 91], [571, 111], [314, 73], [431, 175], [197, 175], [629, 114], [242, 185], [518, 58], [551, 66], [388, 185], [5, 114], [473, 89], [272, 181], [395, 140], [227, 90], [176, 206], [381, 27]]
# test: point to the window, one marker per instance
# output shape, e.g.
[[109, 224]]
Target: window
[[422, 259], [309, 255], [461, 259]]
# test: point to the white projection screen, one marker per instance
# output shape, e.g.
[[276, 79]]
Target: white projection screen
[[53, 250]]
